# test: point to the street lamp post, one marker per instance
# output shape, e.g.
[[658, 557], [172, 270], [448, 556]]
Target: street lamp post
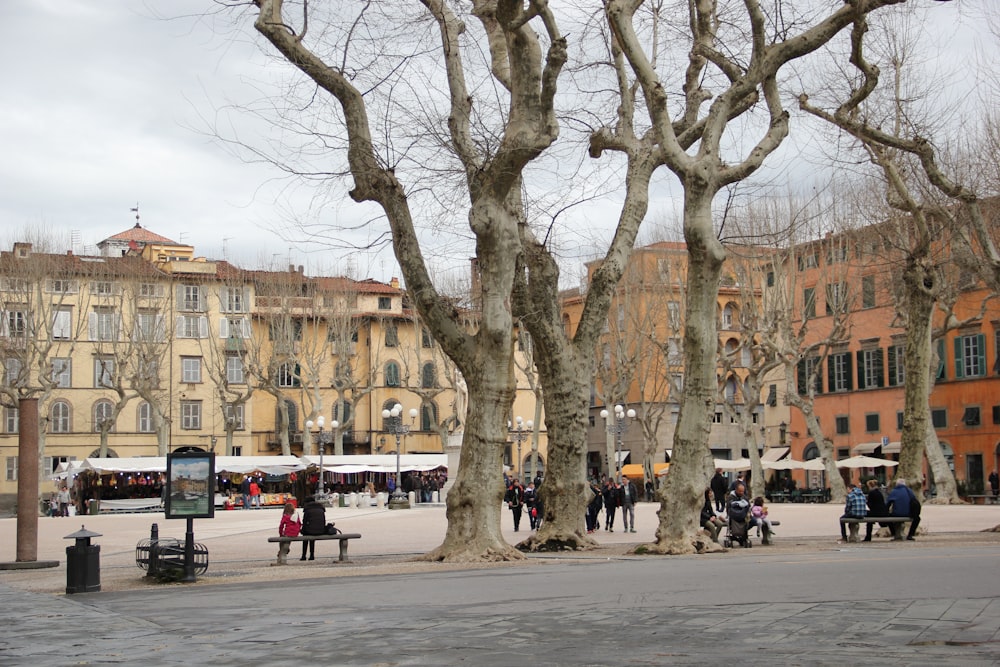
[[322, 437], [519, 434], [617, 429], [396, 427]]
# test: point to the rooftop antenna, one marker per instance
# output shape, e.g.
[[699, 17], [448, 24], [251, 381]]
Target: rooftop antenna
[[136, 211]]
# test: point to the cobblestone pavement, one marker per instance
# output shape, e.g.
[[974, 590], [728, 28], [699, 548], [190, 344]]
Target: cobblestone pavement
[[898, 605]]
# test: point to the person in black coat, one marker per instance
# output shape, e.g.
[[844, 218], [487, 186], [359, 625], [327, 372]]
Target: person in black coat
[[594, 507], [610, 505], [515, 501], [876, 506], [313, 523], [719, 488]]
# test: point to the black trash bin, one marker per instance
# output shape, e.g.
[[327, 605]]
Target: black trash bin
[[83, 563]]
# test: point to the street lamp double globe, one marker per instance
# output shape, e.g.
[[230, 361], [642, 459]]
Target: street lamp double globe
[[321, 437], [617, 429], [520, 435], [392, 420]]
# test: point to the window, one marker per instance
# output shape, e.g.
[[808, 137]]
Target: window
[[970, 356], [59, 414], [102, 288], [872, 423], [149, 289], [836, 298], [674, 315], [148, 327], [15, 323], [675, 351], [103, 324], [868, 291], [104, 372], [391, 335], [897, 371], [808, 261], [342, 412], [836, 255], [770, 278], [289, 375], [840, 371], [234, 415], [843, 424], [191, 369], [62, 372], [809, 302], [62, 324], [233, 299], [234, 369], [428, 417], [148, 373], [870, 369], [192, 326], [996, 414], [103, 411], [11, 468], [392, 374], [972, 416], [190, 298], [12, 371], [717, 418], [727, 316], [144, 415], [809, 369], [190, 415], [939, 347], [428, 376], [524, 341], [61, 286], [772, 395], [899, 420], [10, 417], [385, 303], [426, 340], [939, 418]]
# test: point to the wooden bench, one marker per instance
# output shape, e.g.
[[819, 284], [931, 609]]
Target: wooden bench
[[895, 525], [343, 537]]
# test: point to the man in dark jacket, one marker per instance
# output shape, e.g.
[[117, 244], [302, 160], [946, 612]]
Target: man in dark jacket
[[610, 505], [628, 496], [515, 501], [313, 523], [719, 487], [594, 507]]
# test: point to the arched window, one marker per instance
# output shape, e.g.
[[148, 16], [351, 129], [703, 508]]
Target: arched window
[[428, 376], [392, 374], [730, 347], [728, 316], [428, 416], [144, 414], [342, 418], [103, 411], [59, 417], [391, 421], [731, 389]]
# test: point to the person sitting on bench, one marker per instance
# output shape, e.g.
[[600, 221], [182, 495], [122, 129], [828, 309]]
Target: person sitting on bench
[[876, 507], [313, 523], [854, 508]]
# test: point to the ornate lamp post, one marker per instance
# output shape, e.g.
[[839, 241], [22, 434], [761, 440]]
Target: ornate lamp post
[[392, 421], [617, 429], [322, 437], [519, 434]]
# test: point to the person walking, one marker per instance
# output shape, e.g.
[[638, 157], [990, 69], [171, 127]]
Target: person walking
[[313, 523], [530, 498], [64, 501], [245, 492], [254, 494], [594, 507], [994, 480], [515, 501], [610, 505], [628, 496], [719, 488]]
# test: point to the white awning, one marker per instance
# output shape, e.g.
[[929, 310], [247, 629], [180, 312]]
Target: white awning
[[355, 463], [773, 454], [870, 447]]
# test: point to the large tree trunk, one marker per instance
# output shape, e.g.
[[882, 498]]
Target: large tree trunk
[[691, 464]]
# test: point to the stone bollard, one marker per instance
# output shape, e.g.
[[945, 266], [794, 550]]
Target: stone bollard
[[380, 500], [435, 497], [412, 497]]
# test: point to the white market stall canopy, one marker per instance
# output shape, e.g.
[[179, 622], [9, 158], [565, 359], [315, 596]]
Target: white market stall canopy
[[271, 465], [379, 462]]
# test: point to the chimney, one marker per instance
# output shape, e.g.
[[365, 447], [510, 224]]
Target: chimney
[[394, 282], [22, 250], [69, 253]]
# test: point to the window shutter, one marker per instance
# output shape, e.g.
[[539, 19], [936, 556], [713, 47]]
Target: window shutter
[[223, 327], [202, 300], [179, 328], [981, 347], [849, 371], [179, 295], [861, 369], [959, 361], [891, 354], [831, 371], [92, 325], [941, 360], [879, 368], [203, 327], [246, 300], [801, 377]]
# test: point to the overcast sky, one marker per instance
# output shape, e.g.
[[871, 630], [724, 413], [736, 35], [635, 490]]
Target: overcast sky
[[105, 105]]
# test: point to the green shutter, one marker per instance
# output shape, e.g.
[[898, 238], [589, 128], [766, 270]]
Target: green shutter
[[879, 368], [981, 347], [861, 369], [801, 377], [891, 353], [941, 360], [959, 366], [849, 371]]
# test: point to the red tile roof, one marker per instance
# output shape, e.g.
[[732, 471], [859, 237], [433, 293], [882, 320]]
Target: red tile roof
[[141, 235]]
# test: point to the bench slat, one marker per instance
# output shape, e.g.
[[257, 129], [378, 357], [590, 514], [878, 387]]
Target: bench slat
[[340, 537]]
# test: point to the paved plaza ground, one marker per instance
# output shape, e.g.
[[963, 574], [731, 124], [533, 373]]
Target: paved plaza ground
[[806, 600]]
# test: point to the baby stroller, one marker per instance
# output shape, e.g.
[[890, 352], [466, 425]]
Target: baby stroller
[[739, 523]]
